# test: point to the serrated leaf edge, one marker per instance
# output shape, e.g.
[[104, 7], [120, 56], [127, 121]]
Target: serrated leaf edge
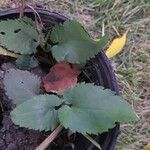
[[19, 21], [5, 88], [31, 128]]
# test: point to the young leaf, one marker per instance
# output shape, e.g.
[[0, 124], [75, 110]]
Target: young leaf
[[21, 85], [26, 62], [18, 36], [93, 109], [74, 43], [117, 45], [37, 113], [61, 77]]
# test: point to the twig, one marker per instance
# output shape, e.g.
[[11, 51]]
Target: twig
[[84, 72], [37, 18], [103, 29], [21, 8], [39, 23], [92, 141], [50, 138], [116, 30]]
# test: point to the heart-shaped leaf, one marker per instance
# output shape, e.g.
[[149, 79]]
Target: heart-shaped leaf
[[93, 109], [37, 113]]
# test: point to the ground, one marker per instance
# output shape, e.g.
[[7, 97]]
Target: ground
[[131, 66]]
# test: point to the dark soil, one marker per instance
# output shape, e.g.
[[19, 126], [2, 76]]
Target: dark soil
[[13, 137]]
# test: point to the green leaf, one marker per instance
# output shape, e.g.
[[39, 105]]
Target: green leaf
[[26, 62], [74, 43], [93, 109], [21, 85], [18, 36], [29, 21], [37, 113]]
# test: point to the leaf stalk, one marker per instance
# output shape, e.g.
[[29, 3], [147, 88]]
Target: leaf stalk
[[92, 141], [50, 138]]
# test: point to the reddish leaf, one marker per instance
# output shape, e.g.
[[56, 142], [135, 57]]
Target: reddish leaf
[[61, 77]]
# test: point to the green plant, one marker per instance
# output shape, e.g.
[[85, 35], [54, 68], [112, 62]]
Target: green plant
[[74, 45], [19, 36], [81, 107]]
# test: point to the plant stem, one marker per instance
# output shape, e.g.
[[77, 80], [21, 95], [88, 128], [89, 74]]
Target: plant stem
[[50, 138], [21, 8], [92, 141]]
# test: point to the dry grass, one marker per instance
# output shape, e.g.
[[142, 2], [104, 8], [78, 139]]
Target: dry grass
[[132, 66]]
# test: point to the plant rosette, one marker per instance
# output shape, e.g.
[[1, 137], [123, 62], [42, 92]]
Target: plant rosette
[[58, 98]]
